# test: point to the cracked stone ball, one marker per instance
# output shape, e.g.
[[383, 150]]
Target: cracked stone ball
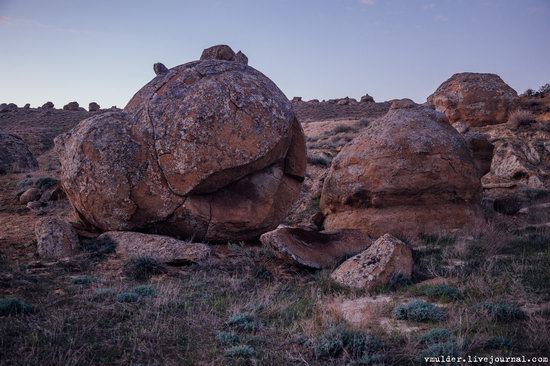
[[209, 150]]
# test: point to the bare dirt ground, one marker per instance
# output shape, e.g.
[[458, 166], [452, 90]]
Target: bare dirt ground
[[245, 306]]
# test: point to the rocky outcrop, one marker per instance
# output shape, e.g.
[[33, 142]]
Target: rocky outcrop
[[159, 68], [367, 99], [93, 107], [521, 157], [475, 99], [72, 106], [407, 172], [162, 248], [385, 261], [55, 238], [15, 156], [10, 107], [210, 150], [314, 249], [47, 105]]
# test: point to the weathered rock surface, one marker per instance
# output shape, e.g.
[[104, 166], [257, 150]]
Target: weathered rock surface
[[15, 156], [31, 194], [210, 150], [162, 248], [521, 157], [72, 106], [314, 249], [475, 99], [55, 238], [481, 149], [407, 172], [383, 261], [47, 105]]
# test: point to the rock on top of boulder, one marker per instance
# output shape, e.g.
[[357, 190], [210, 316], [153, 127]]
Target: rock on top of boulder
[[474, 98]]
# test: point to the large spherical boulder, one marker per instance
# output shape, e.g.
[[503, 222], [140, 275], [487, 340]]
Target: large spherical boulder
[[475, 99], [210, 149], [15, 156], [408, 172]]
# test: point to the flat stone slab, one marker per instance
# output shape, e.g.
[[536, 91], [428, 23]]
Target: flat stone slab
[[162, 248], [315, 249]]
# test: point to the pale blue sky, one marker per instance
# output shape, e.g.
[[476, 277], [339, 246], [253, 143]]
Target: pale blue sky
[[103, 51]]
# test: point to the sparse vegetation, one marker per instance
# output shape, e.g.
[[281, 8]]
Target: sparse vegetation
[[45, 182], [319, 160], [419, 311], [225, 338], [502, 311], [338, 339], [127, 297], [435, 335], [13, 306], [243, 350], [142, 268], [520, 118], [445, 293]]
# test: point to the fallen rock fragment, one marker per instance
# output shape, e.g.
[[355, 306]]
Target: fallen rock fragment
[[315, 249], [31, 194], [55, 238], [162, 248], [382, 262]]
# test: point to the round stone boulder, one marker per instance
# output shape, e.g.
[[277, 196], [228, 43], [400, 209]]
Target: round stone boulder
[[209, 150], [408, 172], [474, 99], [15, 156]]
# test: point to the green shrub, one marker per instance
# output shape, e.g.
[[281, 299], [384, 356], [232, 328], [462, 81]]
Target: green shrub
[[337, 339], [371, 360], [319, 160], [244, 351], [224, 338], [451, 348], [83, 280], [329, 344], [444, 293], [45, 182], [142, 268], [11, 306], [498, 342], [242, 321], [419, 311], [435, 335], [502, 311], [104, 293], [433, 239], [144, 291], [343, 129], [127, 297]]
